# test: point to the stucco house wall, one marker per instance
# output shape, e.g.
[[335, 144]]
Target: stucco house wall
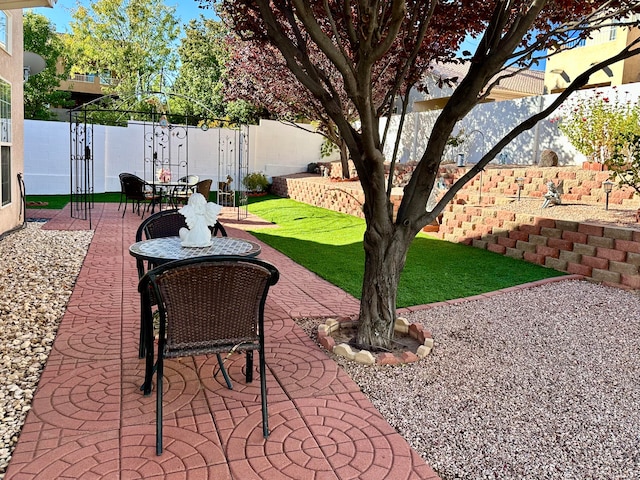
[[11, 72], [563, 67]]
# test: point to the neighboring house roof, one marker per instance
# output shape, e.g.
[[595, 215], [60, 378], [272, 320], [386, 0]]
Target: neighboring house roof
[[529, 82], [442, 79]]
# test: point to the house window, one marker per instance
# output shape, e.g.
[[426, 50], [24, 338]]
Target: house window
[[5, 141], [612, 33], [5, 112], [4, 34], [5, 173]]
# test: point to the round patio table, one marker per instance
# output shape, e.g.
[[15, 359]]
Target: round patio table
[[160, 250]]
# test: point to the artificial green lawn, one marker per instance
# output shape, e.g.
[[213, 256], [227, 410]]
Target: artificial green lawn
[[330, 244], [60, 201]]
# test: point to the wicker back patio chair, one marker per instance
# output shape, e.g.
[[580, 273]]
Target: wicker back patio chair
[[137, 190], [166, 223], [203, 187], [208, 305]]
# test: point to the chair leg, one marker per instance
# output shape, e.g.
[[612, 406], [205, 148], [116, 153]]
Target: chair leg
[[125, 206], [146, 334], [249, 366], [225, 374], [263, 393], [144, 321], [159, 374], [150, 368]]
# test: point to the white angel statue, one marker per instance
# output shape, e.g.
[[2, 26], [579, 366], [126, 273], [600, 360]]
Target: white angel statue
[[199, 214], [552, 197]]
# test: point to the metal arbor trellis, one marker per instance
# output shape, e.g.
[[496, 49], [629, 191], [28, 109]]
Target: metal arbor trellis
[[166, 147], [81, 165]]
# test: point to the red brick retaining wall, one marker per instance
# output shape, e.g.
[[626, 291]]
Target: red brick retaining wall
[[606, 254], [345, 197]]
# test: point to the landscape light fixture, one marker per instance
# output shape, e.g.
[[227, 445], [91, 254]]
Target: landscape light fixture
[[520, 182], [608, 186]]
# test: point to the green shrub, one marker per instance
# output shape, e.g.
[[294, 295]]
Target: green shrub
[[255, 182], [596, 124]]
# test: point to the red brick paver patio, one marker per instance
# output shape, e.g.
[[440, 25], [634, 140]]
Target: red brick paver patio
[[89, 419]]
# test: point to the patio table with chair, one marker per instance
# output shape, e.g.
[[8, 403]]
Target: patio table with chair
[[208, 300]]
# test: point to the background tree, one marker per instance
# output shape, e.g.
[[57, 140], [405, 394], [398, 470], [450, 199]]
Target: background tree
[[595, 124], [624, 164], [131, 40], [40, 90], [257, 73], [202, 58], [199, 87], [403, 37]]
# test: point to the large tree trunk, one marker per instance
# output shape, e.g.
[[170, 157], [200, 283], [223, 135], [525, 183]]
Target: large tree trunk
[[384, 261]]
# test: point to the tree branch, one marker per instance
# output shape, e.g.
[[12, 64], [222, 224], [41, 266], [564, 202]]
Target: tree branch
[[578, 83]]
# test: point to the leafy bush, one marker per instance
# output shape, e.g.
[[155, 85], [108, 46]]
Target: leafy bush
[[255, 182], [595, 125], [625, 162]]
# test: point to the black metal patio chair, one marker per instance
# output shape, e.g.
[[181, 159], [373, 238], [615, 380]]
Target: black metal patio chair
[[138, 191], [207, 305], [166, 223]]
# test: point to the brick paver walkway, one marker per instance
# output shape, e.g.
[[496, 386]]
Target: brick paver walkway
[[90, 421]]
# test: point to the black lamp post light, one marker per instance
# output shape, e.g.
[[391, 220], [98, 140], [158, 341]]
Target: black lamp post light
[[520, 182], [608, 186]]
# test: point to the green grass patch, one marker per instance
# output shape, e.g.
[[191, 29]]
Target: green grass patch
[[330, 244], [58, 202]]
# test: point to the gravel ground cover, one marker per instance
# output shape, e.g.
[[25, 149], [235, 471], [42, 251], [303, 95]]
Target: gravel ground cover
[[542, 383], [39, 269]]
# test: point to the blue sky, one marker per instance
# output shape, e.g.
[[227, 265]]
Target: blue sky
[[60, 14]]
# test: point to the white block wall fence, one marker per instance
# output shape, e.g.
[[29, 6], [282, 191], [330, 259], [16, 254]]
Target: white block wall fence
[[274, 149], [277, 149]]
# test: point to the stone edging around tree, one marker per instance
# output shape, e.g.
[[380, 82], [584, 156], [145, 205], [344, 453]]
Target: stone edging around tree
[[414, 330]]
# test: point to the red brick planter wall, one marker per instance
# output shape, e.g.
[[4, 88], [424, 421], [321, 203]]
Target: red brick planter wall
[[605, 254]]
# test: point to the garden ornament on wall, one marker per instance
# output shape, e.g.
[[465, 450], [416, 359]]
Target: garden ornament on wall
[[552, 197]]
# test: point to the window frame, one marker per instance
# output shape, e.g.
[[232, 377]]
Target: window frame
[[5, 43], [6, 134]]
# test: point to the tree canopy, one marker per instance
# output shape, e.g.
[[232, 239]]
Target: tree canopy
[[202, 58], [258, 73], [402, 38], [198, 89], [40, 90], [131, 40]]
